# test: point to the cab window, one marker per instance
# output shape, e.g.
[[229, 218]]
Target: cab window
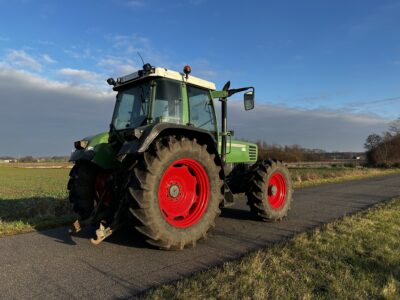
[[201, 109], [168, 102]]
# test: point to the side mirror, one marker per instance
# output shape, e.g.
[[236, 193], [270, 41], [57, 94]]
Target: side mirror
[[248, 100]]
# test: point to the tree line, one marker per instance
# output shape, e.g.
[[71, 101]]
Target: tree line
[[383, 150], [296, 153]]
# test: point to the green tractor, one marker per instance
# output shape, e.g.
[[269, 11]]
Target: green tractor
[[165, 166]]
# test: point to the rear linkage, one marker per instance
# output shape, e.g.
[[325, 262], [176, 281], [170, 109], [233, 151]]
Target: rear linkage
[[99, 216]]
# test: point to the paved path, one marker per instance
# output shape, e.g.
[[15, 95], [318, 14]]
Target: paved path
[[49, 264]]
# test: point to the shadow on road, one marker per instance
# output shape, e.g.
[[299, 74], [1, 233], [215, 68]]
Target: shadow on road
[[126, 236], [47, 214], [238, 214]]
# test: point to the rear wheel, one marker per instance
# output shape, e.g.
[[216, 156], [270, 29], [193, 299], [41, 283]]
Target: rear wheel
[[271, 190], [82, 191], [175, 190]]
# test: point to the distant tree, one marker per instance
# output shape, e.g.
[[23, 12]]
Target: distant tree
[[394, 127], [289, 153], [384, 149], [27, 159], [373, 141]]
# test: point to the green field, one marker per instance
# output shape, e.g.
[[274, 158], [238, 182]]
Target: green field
[[356, 258], [34, 196]]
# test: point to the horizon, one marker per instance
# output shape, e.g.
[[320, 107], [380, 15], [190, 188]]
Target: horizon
[[326, 73]]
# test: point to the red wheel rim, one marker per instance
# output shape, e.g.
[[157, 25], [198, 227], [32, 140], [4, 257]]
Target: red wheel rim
[[276, 190], [184, 192]]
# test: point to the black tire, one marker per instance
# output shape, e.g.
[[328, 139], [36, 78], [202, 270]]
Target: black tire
[[265, 200], [236, 179], [81, 186], [143, 190]]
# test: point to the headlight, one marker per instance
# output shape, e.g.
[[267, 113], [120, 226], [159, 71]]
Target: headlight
[[79, 145]]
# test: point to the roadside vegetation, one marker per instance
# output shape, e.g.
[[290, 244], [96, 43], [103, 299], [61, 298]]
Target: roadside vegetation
[[354, 258], [383, 150], [303, 177], [33, 196]]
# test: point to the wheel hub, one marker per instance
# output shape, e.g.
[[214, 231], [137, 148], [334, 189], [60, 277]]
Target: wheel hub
[[174, 191], [277, 190], [273, 190]]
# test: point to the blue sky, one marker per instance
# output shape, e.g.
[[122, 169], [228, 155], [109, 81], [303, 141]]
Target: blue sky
[[316, 65]]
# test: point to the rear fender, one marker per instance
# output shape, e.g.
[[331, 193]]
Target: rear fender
[[152, 133], [98, 151]]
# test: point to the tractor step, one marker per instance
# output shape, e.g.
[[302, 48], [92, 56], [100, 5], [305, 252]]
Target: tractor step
[[101, 234], [75, 228]]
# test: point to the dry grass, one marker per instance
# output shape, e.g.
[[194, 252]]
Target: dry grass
[[42, 165], [303, 177], [355, 258]]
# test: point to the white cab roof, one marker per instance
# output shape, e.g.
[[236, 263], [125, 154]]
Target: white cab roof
[[162, 72]]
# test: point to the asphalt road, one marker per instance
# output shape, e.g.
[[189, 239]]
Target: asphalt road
[[50, 264]]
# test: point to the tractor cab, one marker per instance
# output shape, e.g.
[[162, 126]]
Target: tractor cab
[[163, 96]]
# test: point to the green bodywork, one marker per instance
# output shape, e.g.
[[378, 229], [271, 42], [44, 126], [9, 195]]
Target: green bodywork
[[240, 151], [98, 150], [101, 153]]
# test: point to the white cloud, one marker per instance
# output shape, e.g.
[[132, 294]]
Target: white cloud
[[46, 43], [84, 78], [117, 66], [79, 74], [131, 3], [47, 59], [135, 3], [78, 53], [31, 81], [131, 43], [323, 129], [200, 68], [43, 117], [127, 46], [21, 59]]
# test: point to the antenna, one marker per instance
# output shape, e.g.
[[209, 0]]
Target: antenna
[[141, 57]]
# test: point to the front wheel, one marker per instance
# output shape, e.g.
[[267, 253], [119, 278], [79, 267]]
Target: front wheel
[[271, 190], [175, 191]]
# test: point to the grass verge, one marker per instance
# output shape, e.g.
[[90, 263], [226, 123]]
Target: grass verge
[[354, 258], [303, 177]]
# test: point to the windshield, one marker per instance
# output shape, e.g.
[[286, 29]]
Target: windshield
[[131, 106]]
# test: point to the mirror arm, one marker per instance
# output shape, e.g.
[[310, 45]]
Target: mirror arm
[[234, 91]]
